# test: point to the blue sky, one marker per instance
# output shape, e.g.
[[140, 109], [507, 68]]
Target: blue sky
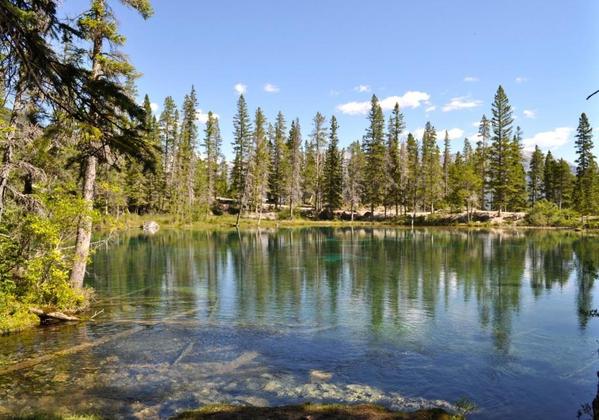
[[443, 60]]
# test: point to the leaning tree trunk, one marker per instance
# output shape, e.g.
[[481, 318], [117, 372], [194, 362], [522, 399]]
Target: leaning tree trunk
[[84, 229]]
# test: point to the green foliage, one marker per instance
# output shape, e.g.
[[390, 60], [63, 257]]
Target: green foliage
[[546, 213], [374, 152], [35, 259]]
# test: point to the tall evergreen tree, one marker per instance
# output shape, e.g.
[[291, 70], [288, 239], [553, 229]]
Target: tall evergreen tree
[[563, 184], [374, 152], [500, 151], [431, 180], [354, 176], [517, 196], [294, 166], [413, 173], [446, 165], [585, 191], [278, 151], [548, 174], [482, 158], [535, 175], [319, 144], [394, 162], [242, 143], [185, 160], [260, 162], [212, 151], [99, 26], [333, 170]]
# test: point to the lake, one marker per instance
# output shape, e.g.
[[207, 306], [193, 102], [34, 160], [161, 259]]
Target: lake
[[398, 317]]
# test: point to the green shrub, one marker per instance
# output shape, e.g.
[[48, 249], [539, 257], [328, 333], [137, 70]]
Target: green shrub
[[545, 213]]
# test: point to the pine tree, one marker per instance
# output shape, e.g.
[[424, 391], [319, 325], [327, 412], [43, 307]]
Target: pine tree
[[294, 166], [354, 170], [585, 192], [212, 150], [260, 162], [548, 174], [374, 153], [278, 151], [482, 158], [394, 162], [501, 148], [318, 144], [535, 175], [464, 185], [563, 183], [169, 130], [517, 196], [98, 25], [333, 170], [185, 160], [413, 173], [242, 142], [431, 180], [446, 165]]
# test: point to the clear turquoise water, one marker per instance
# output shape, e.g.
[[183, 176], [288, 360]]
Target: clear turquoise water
[[394, 315]]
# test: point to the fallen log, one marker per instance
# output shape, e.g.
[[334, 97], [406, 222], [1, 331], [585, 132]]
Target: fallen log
[[46, 316]]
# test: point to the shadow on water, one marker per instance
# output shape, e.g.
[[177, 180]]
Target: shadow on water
[[403, 318]]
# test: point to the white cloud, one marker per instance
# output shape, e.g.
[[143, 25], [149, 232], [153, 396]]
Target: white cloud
[[410, 99], [362, 88], [461, 102], [418, 133], [453, 133], [334, 92], [529, 113], [521, 79], [240, 88], [430, 108], [154, 106], [270, 88], [476, 124], [202, 116], [549, 140], [471, 79]]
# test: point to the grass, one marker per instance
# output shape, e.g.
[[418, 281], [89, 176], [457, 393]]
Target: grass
[[312, 411]]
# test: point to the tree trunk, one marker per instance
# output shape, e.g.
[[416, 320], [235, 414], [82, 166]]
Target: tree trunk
[[84, 228]]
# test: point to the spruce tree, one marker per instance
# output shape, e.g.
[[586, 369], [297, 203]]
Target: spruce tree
[[333, 170], [242, 142], [278, 151], [535, 175], [446, 165], [548, 174], [500, 150], [294, 166], [431, 180], [185, 160], [318, 145], [517, 196], [354, 172], [563, 184], [212, 151], [482, 158], [259, 163], [374, 152], [393, 159], [413, 172], [585, 192]]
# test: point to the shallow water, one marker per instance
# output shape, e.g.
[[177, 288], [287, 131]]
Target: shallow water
[[403, 318]]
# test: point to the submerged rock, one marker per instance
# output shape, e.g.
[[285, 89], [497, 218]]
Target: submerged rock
[[150, 227], [320, 376]]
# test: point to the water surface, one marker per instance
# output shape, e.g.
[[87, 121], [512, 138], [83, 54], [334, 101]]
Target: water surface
[[398, 317]]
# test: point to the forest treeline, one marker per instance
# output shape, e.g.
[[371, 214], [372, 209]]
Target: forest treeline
[[388, 171], [76, 147]]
